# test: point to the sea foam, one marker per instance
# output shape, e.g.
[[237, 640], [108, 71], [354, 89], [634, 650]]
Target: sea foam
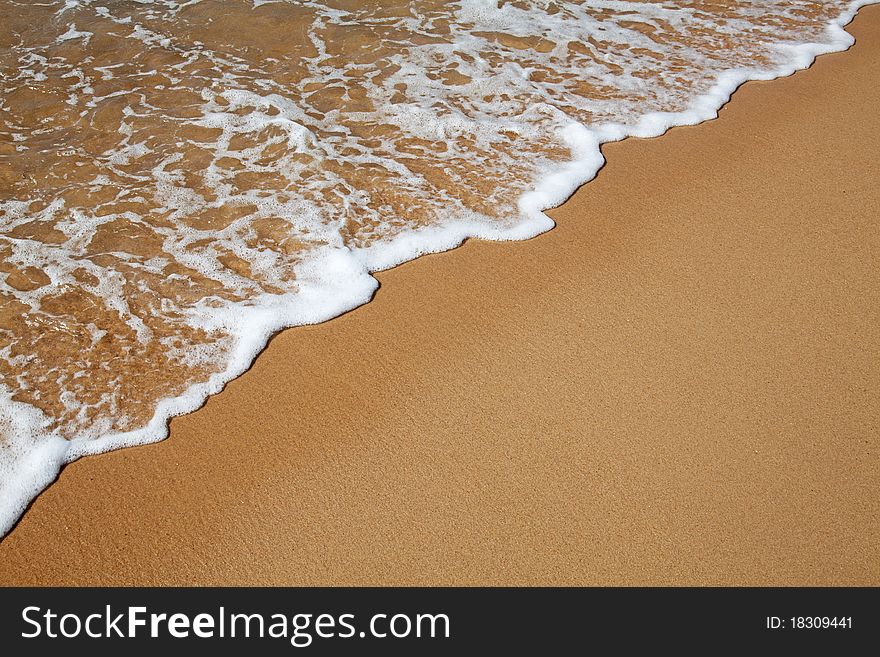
[[173, 195]]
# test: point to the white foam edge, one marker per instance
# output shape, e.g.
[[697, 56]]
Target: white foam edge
[[318, 300]]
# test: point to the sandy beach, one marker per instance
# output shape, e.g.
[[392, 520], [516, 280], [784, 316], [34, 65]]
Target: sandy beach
[[676, 385]]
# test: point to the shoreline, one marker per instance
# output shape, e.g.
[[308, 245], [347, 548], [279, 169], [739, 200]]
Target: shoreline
[[212, 446], [322, 300]]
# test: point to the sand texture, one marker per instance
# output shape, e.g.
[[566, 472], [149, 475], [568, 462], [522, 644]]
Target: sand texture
[[680, 384]]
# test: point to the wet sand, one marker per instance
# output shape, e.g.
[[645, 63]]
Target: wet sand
[[677, 385]]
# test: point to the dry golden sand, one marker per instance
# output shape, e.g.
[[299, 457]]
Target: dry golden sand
[[678, 385]]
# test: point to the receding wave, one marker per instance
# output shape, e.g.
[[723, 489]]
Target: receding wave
[[178, 180]]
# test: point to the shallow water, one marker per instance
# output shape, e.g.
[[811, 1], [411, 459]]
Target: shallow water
[[180, 179]]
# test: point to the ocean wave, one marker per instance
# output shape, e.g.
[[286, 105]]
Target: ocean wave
[[180, 180]]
